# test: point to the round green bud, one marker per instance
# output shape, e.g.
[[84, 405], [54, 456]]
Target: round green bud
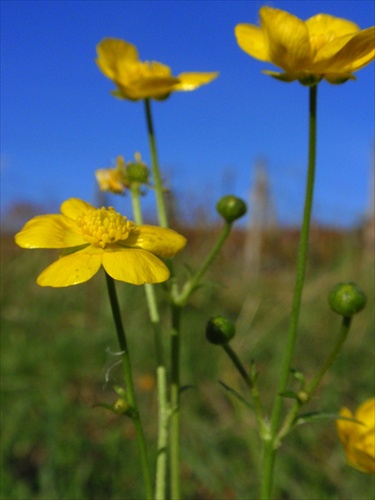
[[220, 330], [231, 208], [136, 172], [347, 299], [120, 406]]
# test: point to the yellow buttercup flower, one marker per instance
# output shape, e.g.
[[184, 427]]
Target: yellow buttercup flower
[[358, 439], [112, 179], [90, 238], [323, 47], [135, 79]]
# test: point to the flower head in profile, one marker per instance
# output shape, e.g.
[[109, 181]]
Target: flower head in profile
[[90, 238], [123, 176], [112, 179], [358, 438], [323, 47], [135, 79]]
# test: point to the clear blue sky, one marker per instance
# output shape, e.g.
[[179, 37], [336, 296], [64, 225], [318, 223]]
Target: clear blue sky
[[60, 123]]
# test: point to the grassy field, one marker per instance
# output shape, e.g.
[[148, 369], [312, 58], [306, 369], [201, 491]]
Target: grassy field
[[58, 360]]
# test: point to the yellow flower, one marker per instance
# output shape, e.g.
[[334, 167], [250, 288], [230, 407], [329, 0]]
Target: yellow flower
[[324, 46], [112, 179], [358, 439], [135, 80], [91, 238]]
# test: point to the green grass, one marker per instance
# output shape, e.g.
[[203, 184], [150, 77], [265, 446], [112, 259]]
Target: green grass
[[58, 362]]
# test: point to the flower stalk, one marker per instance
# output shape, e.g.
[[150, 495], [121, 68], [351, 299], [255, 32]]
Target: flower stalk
[[130, 392], [161, 371], [310, 387], [175, 482], [189, 287], [158, 183], [270, 445]]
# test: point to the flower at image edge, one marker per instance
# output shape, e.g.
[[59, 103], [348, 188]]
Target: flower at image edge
[[322, 47], [90, 238], [358, 439], [119, 61]]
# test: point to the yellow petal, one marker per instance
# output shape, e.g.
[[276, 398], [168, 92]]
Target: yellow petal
[[160, 241], [366, 412], [72, 269], [323, 24], [287, 39], [191, 81], [357, 53], [251, 39], [150, 87], [112, 53], [74, 208], [49, 231], [324, 57], [134, 266], [358, 438]]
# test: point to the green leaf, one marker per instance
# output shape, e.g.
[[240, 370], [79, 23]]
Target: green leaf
[[307, 418], [236, 394]]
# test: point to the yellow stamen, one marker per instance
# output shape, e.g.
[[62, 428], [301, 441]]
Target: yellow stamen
[[104, 226]]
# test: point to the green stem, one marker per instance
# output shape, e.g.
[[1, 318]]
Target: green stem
[[258, 410], [310, 388], [159, 191], [161, 372], [175, 406], [129, 386], [237, 363], [190, 285], [270, 445]]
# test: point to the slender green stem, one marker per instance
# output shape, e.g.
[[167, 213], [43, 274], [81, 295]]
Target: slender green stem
[[258, 410], [135, 196], [163, 433], [310, 388], [270, 448], [159, 191], [129, 386], [161, 372], [175, 406], [192, 283], [237, 363]]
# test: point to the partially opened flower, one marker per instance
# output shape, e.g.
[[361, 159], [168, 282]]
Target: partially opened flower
[[124, 176], [112, 179], [358, 438], [323, 47], [90, 238], [135, 79]]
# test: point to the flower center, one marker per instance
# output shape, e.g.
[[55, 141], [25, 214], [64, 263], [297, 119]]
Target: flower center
[[104, 226]]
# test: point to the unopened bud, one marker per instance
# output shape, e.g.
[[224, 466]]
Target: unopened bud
[[220, 330], [231, 208], [347, 299]]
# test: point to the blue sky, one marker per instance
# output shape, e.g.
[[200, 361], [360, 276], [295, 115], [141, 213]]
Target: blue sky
[[60, 123]]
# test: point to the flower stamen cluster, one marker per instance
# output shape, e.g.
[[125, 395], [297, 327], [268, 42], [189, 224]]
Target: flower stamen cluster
[[104, 226]]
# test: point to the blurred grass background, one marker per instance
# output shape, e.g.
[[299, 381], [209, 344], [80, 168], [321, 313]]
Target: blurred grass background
[[58, 361]]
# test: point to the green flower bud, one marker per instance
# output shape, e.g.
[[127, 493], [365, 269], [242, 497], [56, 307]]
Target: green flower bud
[[136, 171], [231, 208], [220, 330], [120, 406], [347, 299]]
